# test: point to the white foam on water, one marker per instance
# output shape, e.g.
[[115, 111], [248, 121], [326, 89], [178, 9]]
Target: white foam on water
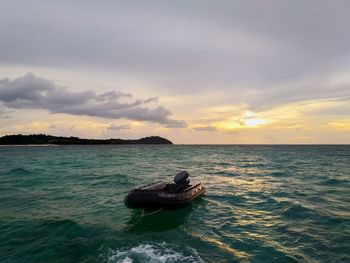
[[127, 260], [157, 253]]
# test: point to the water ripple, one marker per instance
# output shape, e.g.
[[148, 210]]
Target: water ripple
[[263, 204]]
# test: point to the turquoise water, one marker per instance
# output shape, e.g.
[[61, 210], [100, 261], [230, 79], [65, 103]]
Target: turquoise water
[[262, 204]]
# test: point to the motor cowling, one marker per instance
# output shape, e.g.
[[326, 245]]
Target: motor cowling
[[181, 179]]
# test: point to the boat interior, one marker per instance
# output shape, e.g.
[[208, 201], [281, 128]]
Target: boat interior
[[182, 183]]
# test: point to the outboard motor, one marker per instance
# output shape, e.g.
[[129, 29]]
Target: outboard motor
[[181, 180]]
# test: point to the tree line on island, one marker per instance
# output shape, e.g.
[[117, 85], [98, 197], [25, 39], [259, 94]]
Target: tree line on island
[[34, 139]]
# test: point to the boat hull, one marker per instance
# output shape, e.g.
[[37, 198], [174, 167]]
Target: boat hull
[[139, 198]]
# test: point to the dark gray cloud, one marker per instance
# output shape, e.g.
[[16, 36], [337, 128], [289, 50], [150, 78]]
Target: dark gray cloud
[[252, 51], [32, 92], [183, 46], [205, 128], [299, 91], [4, 112], [118, 127]]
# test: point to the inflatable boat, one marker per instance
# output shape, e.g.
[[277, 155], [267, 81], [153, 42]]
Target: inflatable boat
[[165, 195]]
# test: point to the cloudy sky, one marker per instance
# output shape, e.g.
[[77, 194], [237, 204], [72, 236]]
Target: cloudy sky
[[191, 71]]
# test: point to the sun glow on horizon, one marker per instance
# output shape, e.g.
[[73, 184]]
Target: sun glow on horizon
[[246, 120], [250, 121], [254, 122]]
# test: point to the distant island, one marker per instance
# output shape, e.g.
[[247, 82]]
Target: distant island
[[40, 139]]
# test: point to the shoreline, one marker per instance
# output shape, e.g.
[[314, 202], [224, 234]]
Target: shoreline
[[26, 145]]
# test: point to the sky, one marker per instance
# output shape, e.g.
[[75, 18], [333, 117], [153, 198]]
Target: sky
[[195, 72]]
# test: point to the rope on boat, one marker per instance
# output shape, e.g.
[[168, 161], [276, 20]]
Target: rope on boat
[[143, 214], [152, 213]]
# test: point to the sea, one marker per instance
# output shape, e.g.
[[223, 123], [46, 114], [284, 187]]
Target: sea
[[263, 203]]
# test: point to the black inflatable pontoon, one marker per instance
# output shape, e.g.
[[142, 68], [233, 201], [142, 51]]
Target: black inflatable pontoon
[[167, 195]]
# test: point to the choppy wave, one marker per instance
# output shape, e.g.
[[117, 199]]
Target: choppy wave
[[19, 171], [262, 204], [156, 252]]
